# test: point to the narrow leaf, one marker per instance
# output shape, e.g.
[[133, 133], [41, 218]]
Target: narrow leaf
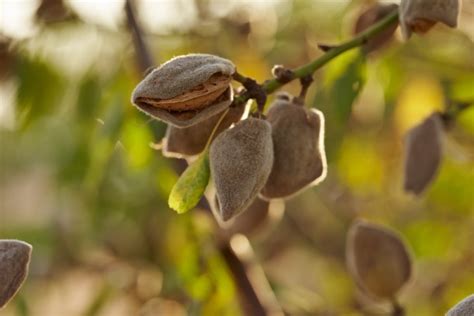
[[40, 89], [187, 192], [347, 87], [344, 80]]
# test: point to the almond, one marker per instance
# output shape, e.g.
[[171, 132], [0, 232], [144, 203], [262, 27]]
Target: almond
[[420, 15], [378, 259], [190, 141], [423, 153], [463, 308], [241, 159], [14, 260], [298, 145], [186, 90]]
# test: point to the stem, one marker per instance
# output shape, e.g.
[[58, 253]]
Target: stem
[[305, 83], [397, 309], [250, 302], [453, 110], [253, 90], [144, 57], [208, 143], [308, 69], [239, 78]]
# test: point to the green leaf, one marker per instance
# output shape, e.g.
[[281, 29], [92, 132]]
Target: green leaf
[[347, 87], [461, 90], [88, 100], [343, 82], [113, 119], [40, 89], [187, 192]]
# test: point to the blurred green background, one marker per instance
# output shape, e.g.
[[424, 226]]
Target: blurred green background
[[81, 183]]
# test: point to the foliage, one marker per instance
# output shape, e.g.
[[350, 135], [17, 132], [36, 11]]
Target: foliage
[[81, 183]]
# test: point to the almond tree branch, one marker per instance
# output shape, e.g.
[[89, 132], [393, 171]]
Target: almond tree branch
[[249, 296], [397, 309], [251, 302], [271, 86]]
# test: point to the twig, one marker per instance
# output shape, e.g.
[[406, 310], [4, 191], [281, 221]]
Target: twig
[[271, 86], [325, 47], [252, 90], [282, 74], [144, 57], [251, 304], [453, 110], [397, 309], [305, 83]]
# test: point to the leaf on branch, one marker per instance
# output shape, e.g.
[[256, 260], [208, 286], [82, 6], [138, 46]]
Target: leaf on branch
[[461, 89], [347, 87], [344, 80], [88, 99], [378, 259], [40, 89], [187, 192], [14, 260]]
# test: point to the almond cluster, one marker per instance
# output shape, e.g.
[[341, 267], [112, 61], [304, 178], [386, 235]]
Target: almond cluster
[[256, 157], [274, 158]]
